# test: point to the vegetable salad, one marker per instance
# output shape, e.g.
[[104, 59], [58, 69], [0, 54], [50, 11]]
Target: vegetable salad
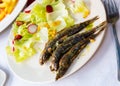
[[41, 24]]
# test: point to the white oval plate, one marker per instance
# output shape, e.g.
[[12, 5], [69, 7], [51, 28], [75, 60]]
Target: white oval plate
[[10, 18], [33, 72]]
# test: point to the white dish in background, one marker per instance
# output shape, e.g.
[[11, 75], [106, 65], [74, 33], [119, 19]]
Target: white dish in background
[[2, 77], [10, 18], [33, 72]]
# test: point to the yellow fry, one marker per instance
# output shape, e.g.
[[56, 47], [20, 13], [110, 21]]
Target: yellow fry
[[3, 5], [12, 5], [2, 14], [6, 1], [6, 7]]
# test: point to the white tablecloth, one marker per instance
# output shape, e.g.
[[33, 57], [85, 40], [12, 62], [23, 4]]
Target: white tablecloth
[[100, 71]]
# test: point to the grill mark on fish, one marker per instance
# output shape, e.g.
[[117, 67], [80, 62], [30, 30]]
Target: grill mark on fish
[[51, 45], [68, 43], [66, 62], [70, 56]]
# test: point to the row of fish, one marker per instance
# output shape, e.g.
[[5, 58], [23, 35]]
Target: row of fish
[[67, 44]]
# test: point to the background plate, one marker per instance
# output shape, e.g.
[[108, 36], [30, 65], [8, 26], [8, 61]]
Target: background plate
[[9, 18]]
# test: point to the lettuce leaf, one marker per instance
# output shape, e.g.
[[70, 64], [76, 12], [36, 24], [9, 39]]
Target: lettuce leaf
[[69, 21], [38, 13], [78, 6], [23, 53], [60, 14], [24, 17]]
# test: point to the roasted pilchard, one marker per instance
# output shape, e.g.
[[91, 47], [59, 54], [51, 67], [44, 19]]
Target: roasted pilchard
[[66, 61], [69, 43], [51, 45], [69, 57]]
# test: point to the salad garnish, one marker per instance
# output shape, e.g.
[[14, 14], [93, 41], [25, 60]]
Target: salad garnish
[[38, 25], [49, 8], [32, 28]]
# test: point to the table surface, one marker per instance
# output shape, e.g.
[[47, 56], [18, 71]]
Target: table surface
[[100, 71]]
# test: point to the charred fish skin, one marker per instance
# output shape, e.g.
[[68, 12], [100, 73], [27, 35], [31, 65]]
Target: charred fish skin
[[51, 45], [67, 45], [62, 49], [70, 56], [43, 60], [66, 62], [75, 28], [47, 51]]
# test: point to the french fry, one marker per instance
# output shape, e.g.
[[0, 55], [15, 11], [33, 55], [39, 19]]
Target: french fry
[[2, 14], [1, 1], [12, 5], [6, 1], [6, 7], [3, 5]]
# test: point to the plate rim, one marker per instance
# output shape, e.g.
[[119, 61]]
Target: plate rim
[[68, 75]]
